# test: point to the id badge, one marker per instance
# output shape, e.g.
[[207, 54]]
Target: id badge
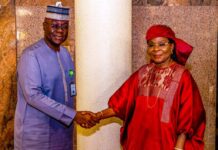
[[72, 89]]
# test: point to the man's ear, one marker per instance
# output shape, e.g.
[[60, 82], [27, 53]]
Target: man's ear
[[44, 25]]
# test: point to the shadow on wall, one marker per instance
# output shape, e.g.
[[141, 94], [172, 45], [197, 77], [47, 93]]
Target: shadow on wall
[[89, 132]]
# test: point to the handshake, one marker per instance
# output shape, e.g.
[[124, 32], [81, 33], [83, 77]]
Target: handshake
[[88, 119]]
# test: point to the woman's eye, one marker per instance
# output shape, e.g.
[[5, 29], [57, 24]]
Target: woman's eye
[[161, 44]]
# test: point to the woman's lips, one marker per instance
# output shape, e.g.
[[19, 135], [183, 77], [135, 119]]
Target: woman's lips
[[157, 55]]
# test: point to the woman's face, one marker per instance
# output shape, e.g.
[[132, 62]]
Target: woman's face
[[160, 50]]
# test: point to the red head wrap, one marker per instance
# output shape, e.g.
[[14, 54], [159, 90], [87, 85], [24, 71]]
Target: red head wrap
[[183, 49]]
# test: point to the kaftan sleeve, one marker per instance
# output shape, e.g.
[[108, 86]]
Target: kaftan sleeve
[[29, 79], [123, 99], [192, 118]]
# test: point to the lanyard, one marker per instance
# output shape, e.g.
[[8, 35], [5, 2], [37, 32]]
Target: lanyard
[[63, 77]]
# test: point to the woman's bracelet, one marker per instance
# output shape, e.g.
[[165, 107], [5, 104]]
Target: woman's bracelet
[[176, 148]]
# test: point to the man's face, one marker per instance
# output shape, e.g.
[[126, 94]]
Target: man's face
[[55, 31]]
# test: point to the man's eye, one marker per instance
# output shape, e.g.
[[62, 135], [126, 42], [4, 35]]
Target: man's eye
[[54, 26]]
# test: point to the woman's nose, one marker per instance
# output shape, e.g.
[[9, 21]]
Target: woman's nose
[[156, 47]]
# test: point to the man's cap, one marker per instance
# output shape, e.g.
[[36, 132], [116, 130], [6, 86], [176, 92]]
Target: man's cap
[[57, 12]]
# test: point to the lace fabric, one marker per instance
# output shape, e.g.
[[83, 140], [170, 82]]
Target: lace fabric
[[157, 77]]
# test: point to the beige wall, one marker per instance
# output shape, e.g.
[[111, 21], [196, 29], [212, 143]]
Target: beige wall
[[103, 63]]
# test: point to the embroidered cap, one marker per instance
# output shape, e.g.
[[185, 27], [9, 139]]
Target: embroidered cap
[[57, 12], [183, 49]]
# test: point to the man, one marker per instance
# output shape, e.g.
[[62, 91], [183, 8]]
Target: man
[[46, 90]]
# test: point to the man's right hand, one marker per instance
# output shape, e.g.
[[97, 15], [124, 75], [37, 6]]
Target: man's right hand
[[86, 119]]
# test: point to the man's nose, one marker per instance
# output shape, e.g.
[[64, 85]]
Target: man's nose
[[59, 29]]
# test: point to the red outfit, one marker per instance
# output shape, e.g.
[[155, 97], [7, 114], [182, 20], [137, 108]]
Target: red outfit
[[156, 105]]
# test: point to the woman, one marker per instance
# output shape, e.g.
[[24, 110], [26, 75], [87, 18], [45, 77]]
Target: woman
[[160, 103]]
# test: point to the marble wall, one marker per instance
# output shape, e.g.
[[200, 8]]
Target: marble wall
[[69, 3], [8, 73], [198, 26], [174, 2]]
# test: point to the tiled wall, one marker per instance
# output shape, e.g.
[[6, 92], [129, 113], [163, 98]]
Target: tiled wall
[[196, 25]]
